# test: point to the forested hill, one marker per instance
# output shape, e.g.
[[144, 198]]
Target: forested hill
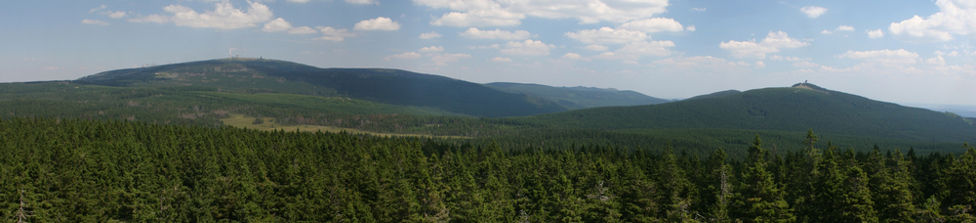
[[380, 85], [579, 97], [797, 108]]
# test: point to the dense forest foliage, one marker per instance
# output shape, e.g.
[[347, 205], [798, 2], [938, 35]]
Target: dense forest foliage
[[55, 170]]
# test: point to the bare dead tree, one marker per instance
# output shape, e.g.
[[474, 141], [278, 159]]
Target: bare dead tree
[[22, 214]]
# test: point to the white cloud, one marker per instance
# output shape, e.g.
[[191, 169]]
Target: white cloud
[[773, 42], [475, 33], [362, 2], [509, 13], [596, 47], [150, 19], [276, 25], [224, 16], [280, 25], [377, 24], [444, 59], [713, 64], [652, 48], [302, 30], [93, 22], [111, 14], [607, 35], [431, 49], [938, 60], [333, 34], [430, 35], [874, 34], [813, 11], [404, 56], [572, 56], [480, 18], [99, 8], [653, 25], [955, 17], [501, 59], [116, 14], [298, 1], [527, 48], [886, 56], [690, 28], [841, 28]]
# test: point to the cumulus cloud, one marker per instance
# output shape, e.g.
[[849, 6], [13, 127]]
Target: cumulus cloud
[[813, 11], [475, 33], [111, 14], [377, 24], [527, 48], [276, 25], [432, 49], [774, 42], [572, 56], [633, 51], [886, 56], [596, 47], [280, 25], [479, 18], [404, 56], [501, 59], [653, 25], [333, 34], [94, 22], [841, 28], [607, 35], [955, 17], [430, 35], [874, 34], [362, 2], [116, 14], [483, 13], [223, 16], [150, 19]]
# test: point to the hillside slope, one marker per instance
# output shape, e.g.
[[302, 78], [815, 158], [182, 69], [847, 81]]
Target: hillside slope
[[797, 108], [389, 86], [579, 97]]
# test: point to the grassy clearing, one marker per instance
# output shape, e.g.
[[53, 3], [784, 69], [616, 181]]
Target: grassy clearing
[[268, 124]]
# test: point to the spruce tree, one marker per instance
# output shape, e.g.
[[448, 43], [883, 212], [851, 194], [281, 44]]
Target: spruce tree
[[760, 199]]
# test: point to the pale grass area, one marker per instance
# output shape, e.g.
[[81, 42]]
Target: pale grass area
[[243, 121]]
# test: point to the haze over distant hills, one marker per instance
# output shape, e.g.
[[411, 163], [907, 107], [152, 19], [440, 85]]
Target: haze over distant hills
[[579, 97]]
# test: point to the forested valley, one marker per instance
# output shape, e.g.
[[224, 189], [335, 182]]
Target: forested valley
[[70, 170]]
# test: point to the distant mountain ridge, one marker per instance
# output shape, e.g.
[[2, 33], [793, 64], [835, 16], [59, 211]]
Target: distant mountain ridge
[[579, 97], [798, 108], [390, 86]]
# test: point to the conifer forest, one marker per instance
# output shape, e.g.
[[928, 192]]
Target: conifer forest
[[64, 170]]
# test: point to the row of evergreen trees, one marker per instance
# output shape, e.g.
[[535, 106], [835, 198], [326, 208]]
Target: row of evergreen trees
[[108, 171]]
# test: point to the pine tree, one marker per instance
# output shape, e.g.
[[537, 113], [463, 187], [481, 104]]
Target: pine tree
[[760, 199], [676, 189], [960, 178], [891, 186], [719, 187]]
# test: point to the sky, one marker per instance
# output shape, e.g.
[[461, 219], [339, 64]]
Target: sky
[[902, 51]]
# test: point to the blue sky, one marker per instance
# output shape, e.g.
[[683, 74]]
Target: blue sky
[[910, 52]]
